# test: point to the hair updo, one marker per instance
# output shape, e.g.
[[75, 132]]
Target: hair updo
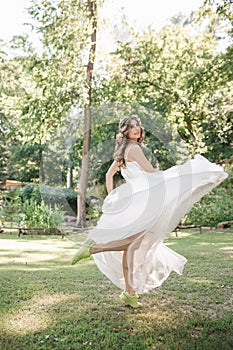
[[122, 139]]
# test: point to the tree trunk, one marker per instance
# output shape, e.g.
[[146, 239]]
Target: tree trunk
[[41, 171], [82, 188], [69, 175]]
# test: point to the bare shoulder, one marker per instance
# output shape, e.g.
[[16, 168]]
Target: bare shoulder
[[132, 151]]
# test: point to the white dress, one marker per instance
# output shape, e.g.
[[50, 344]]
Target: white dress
[[151, 204]]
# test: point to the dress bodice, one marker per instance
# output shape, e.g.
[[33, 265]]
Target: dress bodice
[[137, 177], [132, 171]]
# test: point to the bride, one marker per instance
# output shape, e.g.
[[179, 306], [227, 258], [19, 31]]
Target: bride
[[127, 242]]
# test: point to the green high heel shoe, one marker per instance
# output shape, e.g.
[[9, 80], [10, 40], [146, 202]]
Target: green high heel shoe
[[131, 300], [83, 252]]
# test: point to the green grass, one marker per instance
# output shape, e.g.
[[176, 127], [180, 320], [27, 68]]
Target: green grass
[[45, 303]]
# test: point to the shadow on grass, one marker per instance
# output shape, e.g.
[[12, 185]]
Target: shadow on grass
[[49, 304]]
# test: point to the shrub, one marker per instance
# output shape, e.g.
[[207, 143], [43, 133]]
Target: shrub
[[65, 197], [32, 212], [212, 209], [42, 215], [31, 191], [12, 206]]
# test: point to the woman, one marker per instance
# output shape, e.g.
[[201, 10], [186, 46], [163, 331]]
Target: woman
[[127, 243]]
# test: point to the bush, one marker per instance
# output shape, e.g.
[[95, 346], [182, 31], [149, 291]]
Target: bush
[[32, 212], [12, 206], [41, 215], [31, 191], [215, 207], [65, 197]]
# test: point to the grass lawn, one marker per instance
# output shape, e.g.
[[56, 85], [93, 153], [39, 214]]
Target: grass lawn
[[45, 303]]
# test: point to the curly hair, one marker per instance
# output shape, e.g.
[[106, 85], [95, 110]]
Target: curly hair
[[122, 139]]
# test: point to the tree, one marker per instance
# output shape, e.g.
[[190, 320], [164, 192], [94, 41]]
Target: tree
[[222, 8], [57, 78], [176, 73], [60, 71], [21, 155], [81, 217], [4, 153]]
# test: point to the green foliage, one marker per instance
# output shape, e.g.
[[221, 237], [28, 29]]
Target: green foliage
[[66, 197], [38, 205], [93, 213], [212, 209], [26, 208], [56, 76], [37, 90], [215, 207], [180, 75], [52, 196], [41, 215], [4, 153], [24, 161], [11, 211], [31, 192], [177, 72], [217, 11]]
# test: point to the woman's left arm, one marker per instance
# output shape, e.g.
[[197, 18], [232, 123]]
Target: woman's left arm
[[109, 176]]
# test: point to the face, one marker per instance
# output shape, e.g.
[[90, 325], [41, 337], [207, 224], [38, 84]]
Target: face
[[134, 131]]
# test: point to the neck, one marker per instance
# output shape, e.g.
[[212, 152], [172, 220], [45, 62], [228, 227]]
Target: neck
[[133, 141]]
